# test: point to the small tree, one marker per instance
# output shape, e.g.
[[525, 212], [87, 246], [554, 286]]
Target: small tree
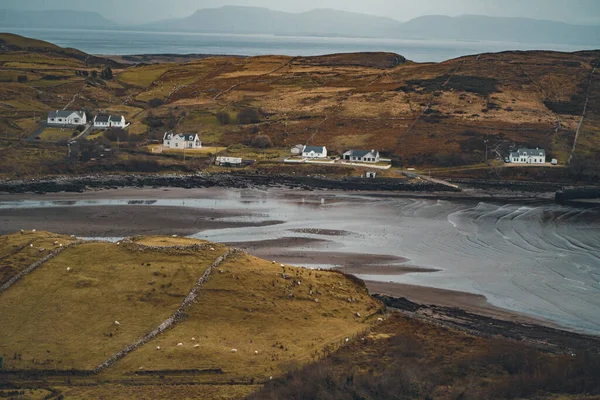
[[106, 74], [261, 142], [94, 74], [116, 134], [248, 116], [223, 117], [156, 103]]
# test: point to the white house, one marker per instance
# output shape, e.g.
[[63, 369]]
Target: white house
[[181, 141], [66, 117], [109, 121], [314, 152], [367, 156], [528, 156]]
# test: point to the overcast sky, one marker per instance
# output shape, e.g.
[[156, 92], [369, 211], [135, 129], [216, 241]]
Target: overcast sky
[[136, 11]]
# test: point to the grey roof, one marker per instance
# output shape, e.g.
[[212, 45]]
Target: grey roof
[[116, 117], [188, 137], [64, 113], [529, 152], [102, 118], [316, 149], [360, 153]]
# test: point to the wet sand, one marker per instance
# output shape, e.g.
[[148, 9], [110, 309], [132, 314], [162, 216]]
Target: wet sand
[[469, 302], [119, 221]]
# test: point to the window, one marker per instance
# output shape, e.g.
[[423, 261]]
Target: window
[[176, 144], [167, 142]]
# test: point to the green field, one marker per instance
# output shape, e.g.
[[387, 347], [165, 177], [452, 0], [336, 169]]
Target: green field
[[57, 134]]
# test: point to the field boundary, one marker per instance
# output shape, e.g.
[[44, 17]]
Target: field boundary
[[178, 316]]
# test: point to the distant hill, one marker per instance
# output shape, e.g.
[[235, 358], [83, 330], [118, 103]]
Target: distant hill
[[477, 27], [54, 19], [255, 20], [15, 43]]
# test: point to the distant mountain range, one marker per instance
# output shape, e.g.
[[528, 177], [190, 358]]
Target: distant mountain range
[[326, 22]]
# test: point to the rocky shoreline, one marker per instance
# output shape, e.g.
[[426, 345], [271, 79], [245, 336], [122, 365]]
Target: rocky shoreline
[[237, 181]]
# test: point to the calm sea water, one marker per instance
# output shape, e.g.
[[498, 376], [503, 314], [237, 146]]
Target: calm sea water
[[136, 42]]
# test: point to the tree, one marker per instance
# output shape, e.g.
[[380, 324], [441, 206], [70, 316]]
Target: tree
[[116, 134], [223, 117], [156, 103], [261, 142], [94, 74], [248, 116], [22, 78], [106, 74]]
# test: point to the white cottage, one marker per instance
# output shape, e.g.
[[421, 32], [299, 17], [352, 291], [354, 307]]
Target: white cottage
[[366, 156], [528, 156], [110, 121], [67, 117], [314, 152], [181, 141]]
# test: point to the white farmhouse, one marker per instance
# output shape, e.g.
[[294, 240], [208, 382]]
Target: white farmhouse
[[366, 156], [66, 117], [528, 156], [314, 152], [181, 141], [110, 121]]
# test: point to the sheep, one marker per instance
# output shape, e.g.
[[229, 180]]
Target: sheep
[[117, 323], [358, 315], [33, 230], [157, 347], [212, 249], [118, 243], [22, 231], [179, 344], [379, 319], [55, 242], [282, 266], [234, 350], [174, 236], [60, 245], [196, 346], [193, 339], [42, 250], [270, 378], [255, 352], [273, 262], [72, 236], [31, 245], [316, 300], [68, 269], [347, 340]]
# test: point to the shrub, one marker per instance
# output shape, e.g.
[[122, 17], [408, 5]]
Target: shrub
[[223, 117], [248, 116], [261, 142], [22, 78], [156, 103], [116, 134]]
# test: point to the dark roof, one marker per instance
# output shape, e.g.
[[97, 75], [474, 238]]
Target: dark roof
[[188, 137], [102, 118], [316, 149], [116, 117], [360, 153], [530, 152], [63, 113]]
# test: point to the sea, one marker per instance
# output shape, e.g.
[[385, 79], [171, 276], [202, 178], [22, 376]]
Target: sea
[[126, 42]]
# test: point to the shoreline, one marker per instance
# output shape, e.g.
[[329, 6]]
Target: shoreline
[[506, 192]]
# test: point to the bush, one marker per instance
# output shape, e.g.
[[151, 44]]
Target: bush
[[156, 103], [116, 134], [22, 78], [248, 116], [261, 142], [223, 117]]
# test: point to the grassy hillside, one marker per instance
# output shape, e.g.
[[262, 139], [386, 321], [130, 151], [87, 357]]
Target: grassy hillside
[[94, 299], [430, 114]]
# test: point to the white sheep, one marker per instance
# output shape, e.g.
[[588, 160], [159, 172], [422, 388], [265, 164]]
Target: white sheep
[[255, 351], [196, 346], [193, 339], [234, 350], [118, 243], [379, 319], [212, 249], [117, 323], [33, 230], [31, 245], [282, 266], [157, 347], [72, 236], [179, 344], [358, 315], [68, 269], [22, 231], [347, 340], [60, 245], [273, 262], [55, 242], [270, 378]]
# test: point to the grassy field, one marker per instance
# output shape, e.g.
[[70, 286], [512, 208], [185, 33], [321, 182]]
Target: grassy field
[[57, 134], [71, 319], [59, 319], [143, 76]]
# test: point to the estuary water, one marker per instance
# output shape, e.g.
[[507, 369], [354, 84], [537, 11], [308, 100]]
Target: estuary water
[[125, 42], [542, 260]]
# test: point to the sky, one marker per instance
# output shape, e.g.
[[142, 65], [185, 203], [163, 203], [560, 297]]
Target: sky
[[140, 11]]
